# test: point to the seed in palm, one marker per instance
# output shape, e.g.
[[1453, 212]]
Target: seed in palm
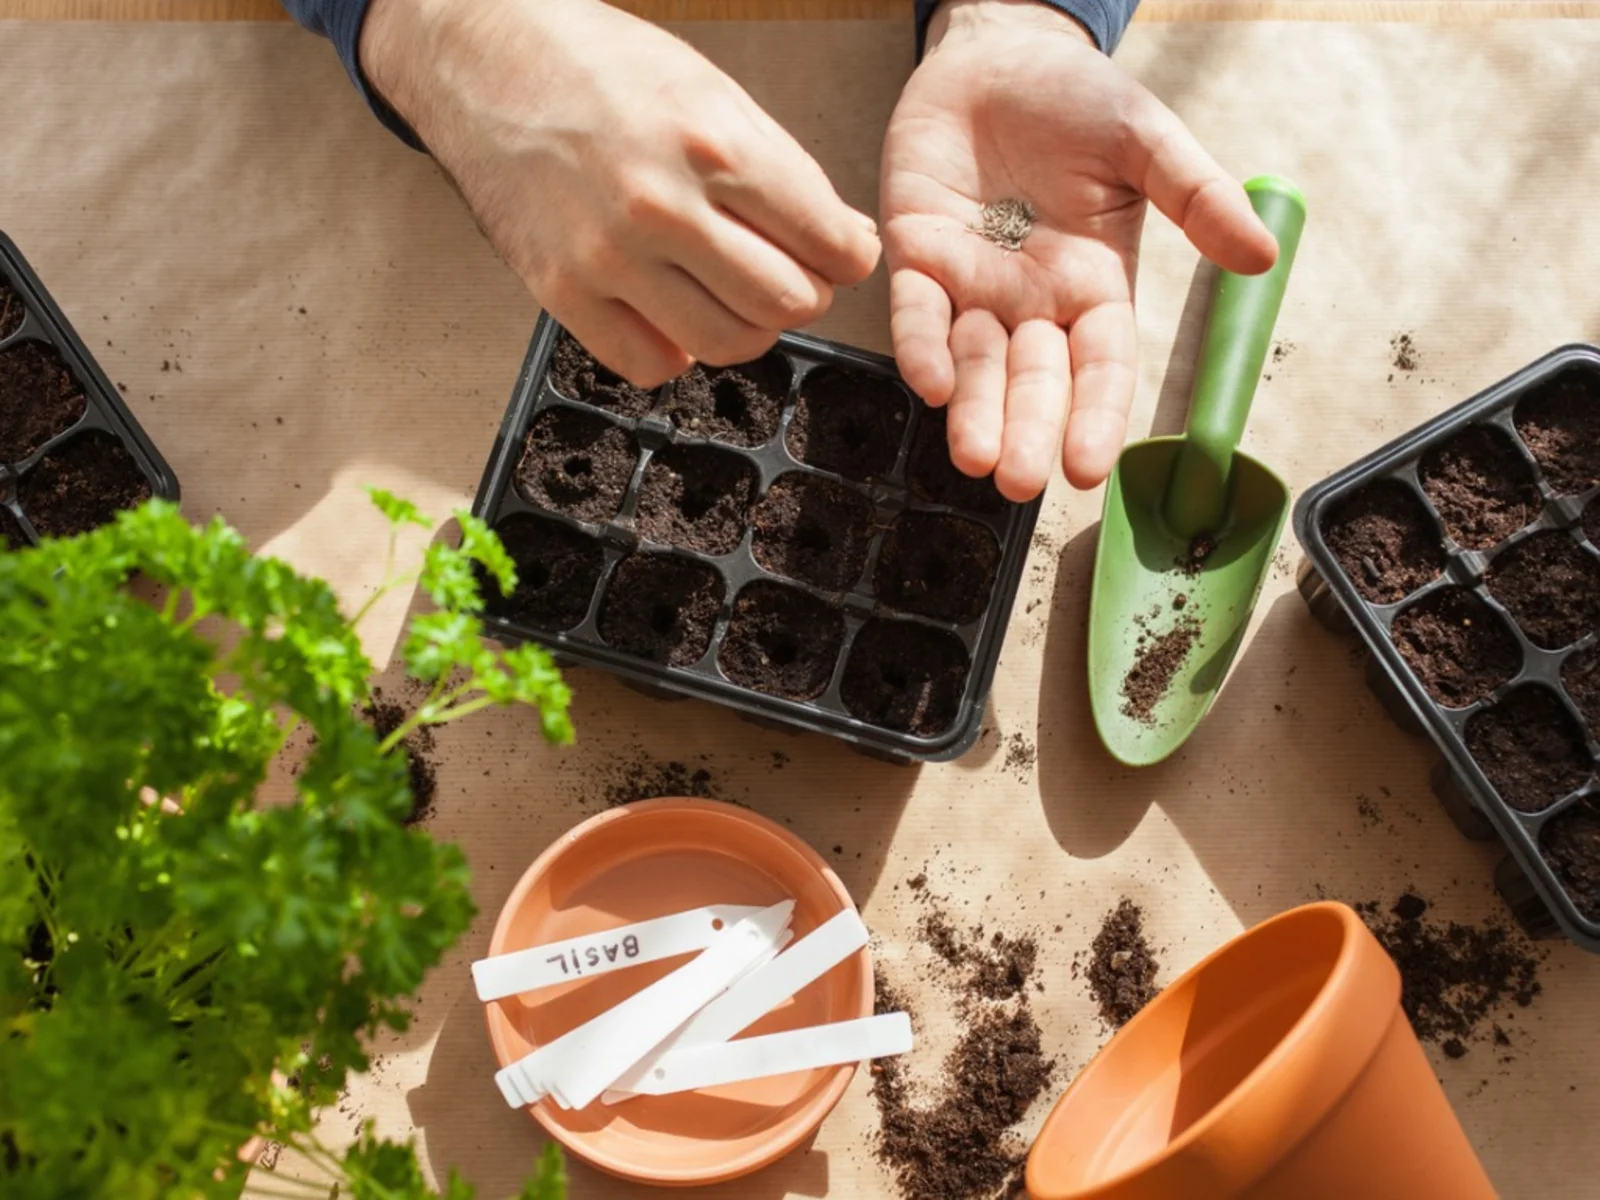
[[1006, 223]]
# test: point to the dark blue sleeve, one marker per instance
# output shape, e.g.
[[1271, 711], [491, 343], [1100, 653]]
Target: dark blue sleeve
[[340, 22], [1106, 20]]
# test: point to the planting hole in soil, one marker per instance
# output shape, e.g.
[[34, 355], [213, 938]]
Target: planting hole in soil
[[12, 310], [1571, 845], [11, 535], [781, 641], [1530, 749], [576, 463], [696, 497], [661, 607], [813, 530], [557, 569], [849, 423], [1551, 586], [938, 566], [933, 476], [1482, 487], [902, 675], [1457, 647], [739, 405], [1385, 542], [1560, 422], [576, 374], [39, 398], [81, 485], [1581, 676]]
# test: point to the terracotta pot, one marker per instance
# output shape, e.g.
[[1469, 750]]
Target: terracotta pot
[[1280, 1068]]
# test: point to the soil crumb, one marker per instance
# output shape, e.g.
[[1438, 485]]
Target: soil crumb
[[1007, 223], [1193, 561], [1282, 350], [1155, 664], [1404, 352], [636, 776], [1123, 967], [1454, 977], [1021, 755], [386, 716]]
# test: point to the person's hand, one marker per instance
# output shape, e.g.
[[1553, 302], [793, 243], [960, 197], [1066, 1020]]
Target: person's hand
[[1014, 102], [648, 203]]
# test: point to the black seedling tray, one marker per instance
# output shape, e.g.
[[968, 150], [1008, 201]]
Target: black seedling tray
[[104, 413], [887, 496], [1529, 884]]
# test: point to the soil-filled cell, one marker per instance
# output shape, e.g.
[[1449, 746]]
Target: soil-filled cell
[[576, 463], [697, 497], [1560, 422], [661, 607], [739, 405], [12, 310], [1385, 542], [1581, 677], [814, 530], [905, 676], [39, 398], [1457, 647], [781, 641], [576, 374], [849, 423], [937, 566], [1571, 845], [557, 569], [1481, 486], [81, 485], [1551, 586], [934, 477], [1529, 748], [11, 535], [1591, 523]]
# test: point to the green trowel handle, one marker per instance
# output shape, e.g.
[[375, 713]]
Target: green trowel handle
[[1244, 309]]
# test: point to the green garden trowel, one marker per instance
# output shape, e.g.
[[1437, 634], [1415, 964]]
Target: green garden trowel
[[1191, 524]]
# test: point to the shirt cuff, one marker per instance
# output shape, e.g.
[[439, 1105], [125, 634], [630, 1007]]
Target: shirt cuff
[[1106, 20], [340, 21]]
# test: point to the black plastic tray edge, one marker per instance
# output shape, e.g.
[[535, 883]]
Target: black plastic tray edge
[[946, 747], [1307, 514]]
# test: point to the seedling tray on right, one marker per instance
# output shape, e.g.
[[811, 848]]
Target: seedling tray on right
[[1466, 556]]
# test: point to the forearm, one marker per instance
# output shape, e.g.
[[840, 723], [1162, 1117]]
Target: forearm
[[1103, 20]]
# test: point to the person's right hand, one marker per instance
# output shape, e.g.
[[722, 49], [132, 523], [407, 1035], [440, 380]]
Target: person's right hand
[[649, 204]]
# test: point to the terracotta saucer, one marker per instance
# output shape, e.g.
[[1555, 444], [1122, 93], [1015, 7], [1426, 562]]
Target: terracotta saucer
[[647, 860]]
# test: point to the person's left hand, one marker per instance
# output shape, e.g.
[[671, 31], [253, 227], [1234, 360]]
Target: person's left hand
[[1013, 101]]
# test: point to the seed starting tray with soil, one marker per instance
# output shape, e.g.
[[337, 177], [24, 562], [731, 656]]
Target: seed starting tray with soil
[[786, 537], [71, 454], [1466, 555]]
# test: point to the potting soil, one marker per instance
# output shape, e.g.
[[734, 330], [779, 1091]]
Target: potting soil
[[1123, 967], [1156, 663], [1482, 487], [80, 485], [39, 398], [386, 716]]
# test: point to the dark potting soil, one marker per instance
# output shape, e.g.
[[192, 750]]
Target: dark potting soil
[[1123, 967], [661, 607], [640, 777], [906, 676], [11, 535], [1482, 487], [781, 641], [1385, 542], [1591, 522], [1156, 663], [1530, 749], [1457, 647], [12, 310], [1453, 977], [934, 477], [849, 423], [996, 967], [576, 374], [814, 530], [739, 405], [697, 497], [576, 463], [557, 569], [81, 485], [1551, 585], [1560, 422], [938, 566], [39, 398], [387, 716], [1571, 845], [1581, 676], [1403, 350]]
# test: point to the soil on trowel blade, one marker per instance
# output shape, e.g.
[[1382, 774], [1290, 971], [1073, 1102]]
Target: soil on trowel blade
[[1156, 664]]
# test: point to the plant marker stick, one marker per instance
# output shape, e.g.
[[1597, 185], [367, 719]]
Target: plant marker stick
[[758, 993], [723, 1063], [608, 950]]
